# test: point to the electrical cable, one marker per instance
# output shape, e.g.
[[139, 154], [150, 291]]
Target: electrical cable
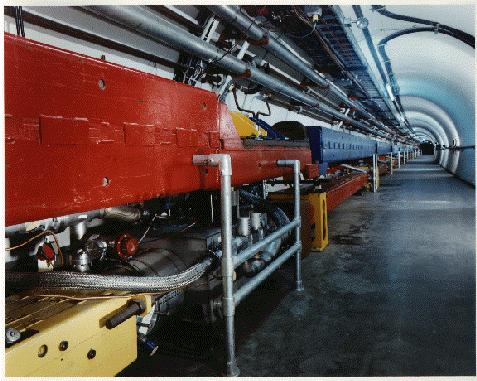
[[148, 228], [437, 27], [22, 26], [46, 232], [306, 35], [17, 21], [95, 297]]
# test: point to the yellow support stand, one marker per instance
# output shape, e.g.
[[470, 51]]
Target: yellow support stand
[[319, 227], [68, 337], [318, 201]]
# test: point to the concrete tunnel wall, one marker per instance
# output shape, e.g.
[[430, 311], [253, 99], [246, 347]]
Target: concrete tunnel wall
[[435, 74]]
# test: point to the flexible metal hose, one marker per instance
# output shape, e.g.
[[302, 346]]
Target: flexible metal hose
[[80, 281]]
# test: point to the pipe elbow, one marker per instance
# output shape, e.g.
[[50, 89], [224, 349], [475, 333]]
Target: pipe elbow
[[223, 161]]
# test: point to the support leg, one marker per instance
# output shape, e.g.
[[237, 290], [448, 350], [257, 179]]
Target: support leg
[[224, 163], [375, 174], [296, 187]]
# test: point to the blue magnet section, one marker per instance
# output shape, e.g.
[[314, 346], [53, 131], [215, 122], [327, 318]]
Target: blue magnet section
[[328, 146], [383, 148]]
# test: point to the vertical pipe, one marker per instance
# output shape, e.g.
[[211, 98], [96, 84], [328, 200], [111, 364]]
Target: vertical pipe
[[391, 166], [399, 159], [375, 179], [227, 272], [224, 163], [296, 185], [296, 188]]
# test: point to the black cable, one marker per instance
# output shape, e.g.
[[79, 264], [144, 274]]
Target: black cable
[[433, 27], [306, 35], [439, 28], [275, 212], [17, 21], [22, 26], [387, 61]]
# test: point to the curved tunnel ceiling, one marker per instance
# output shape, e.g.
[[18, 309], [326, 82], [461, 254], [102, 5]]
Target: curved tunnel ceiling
[[435, 74]]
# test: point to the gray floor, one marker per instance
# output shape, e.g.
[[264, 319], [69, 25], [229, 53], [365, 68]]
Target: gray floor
[[394, 293]]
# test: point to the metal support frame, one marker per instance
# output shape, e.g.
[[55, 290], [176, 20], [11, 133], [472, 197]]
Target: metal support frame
[[399, 159], [224, 162], [375, 173], [230, 261], [391, 163]]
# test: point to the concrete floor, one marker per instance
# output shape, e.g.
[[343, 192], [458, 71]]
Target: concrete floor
[[393, 294]]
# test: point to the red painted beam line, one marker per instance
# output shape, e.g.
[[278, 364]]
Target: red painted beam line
[[339, 192], [83, 134]]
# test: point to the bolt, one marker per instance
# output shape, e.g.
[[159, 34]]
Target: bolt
[[91, 354], [12, 335]]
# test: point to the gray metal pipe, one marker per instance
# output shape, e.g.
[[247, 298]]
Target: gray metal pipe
[[253, 283], [375, 173], [147, 23], [261, 245], [56, 224], [295, 164], [232, 14], [224, 162]]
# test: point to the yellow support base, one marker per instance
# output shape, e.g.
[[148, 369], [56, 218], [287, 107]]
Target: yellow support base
[[68, 337], [318, 200], [320, 216]]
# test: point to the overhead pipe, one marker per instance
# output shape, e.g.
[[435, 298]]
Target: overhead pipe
[[145, 22], [233, 15], [34, 18]]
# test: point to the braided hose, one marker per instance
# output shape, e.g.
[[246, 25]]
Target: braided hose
[[66, 280]]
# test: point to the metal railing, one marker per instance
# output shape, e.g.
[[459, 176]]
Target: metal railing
[[231, 298]]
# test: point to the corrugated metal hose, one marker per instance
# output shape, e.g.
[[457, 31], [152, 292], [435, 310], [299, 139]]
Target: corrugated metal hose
[[66, 280]]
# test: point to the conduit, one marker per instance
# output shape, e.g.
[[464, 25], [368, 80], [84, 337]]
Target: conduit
[[233, 15], [145, 22], [466, 38]]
